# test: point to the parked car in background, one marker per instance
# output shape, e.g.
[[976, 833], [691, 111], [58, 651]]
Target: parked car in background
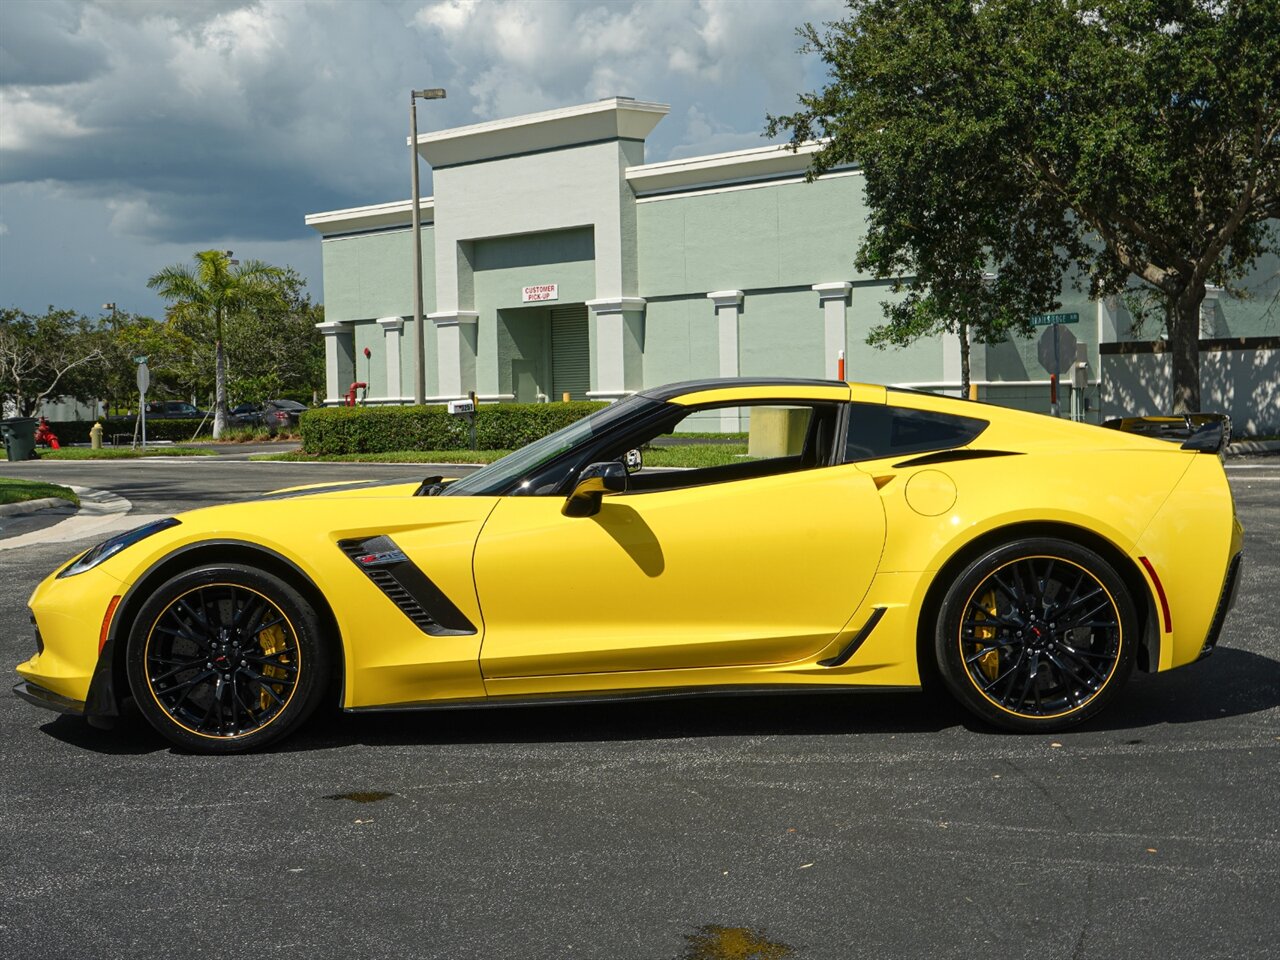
[[174, 410], [282, 414], [246, 415]]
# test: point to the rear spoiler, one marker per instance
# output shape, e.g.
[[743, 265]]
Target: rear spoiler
[[1204, 432]]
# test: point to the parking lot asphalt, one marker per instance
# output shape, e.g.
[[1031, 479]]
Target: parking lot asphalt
[[839, 826]]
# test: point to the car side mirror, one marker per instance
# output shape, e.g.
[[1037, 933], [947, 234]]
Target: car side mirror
[[593, 483]]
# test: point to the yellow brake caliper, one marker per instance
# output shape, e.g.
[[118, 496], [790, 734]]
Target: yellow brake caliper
[[989, 662], [272, 642]]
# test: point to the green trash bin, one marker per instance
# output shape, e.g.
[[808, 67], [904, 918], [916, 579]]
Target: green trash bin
[[19, 437]]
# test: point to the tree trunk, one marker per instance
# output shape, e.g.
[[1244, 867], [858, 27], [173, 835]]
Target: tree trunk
[[220, 391], [1184, 348], [964, 361]]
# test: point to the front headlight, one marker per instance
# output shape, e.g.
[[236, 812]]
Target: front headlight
[[110, 547]]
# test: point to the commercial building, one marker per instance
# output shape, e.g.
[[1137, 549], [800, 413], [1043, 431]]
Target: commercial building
[[557, 261]]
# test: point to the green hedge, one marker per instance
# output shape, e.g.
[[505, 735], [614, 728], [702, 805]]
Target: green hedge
[[77, 431], [499, 426]]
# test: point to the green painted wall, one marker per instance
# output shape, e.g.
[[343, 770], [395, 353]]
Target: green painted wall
[[373, 370], [779, 334], [522, 338], [781, 235], [502, 266], [369, 275], [919, 363], [680, 338]]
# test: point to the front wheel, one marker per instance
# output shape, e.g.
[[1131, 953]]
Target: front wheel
[[225, 658], [1036, 635]]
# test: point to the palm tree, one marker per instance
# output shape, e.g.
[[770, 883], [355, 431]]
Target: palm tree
[[216, 289]]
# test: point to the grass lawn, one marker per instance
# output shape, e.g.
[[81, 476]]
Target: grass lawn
[[18, 491], [124, 453], [399, 456], [692, 455]]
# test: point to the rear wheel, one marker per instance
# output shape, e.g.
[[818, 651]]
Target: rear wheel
[[225, 658], [1038, 634]]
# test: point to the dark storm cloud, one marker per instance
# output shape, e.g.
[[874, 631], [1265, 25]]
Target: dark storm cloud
[[182, 123], [40, 44]]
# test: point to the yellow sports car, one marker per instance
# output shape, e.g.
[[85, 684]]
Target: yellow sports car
[[858, 537]]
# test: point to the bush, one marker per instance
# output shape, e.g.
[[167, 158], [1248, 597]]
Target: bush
[[77, 431], [499, 426]]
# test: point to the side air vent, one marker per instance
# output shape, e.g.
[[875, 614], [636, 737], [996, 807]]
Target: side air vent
[[407, 587]]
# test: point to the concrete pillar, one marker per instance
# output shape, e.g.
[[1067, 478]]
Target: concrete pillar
[[391, 333], [951, 359], [728, 306], [456, 350], [834, 299], [619, 346], [334, 353]]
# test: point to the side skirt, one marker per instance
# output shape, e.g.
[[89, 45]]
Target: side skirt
[[623, 696]]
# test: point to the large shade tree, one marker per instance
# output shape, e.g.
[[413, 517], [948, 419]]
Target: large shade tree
[[46, 356], [213, 292], [1133, 142]]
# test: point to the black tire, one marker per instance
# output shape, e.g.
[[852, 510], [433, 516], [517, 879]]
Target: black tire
[[224, 658], [1036, 635]]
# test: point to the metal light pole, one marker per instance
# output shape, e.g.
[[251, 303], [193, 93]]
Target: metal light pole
[[419, 334]]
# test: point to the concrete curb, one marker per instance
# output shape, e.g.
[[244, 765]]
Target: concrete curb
[[1243, 447], [32, 506], [101, 512]]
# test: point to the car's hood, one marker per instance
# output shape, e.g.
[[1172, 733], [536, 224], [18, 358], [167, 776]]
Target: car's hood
[[401, 486]]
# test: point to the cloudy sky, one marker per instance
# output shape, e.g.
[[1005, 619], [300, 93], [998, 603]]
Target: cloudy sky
[[134, 132]]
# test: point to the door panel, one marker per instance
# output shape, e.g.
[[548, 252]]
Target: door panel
[[754, 571]]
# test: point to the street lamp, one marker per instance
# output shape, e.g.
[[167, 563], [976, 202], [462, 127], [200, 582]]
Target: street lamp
[[419, 334]]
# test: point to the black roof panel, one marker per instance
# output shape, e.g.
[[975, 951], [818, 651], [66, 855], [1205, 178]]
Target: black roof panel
[[669, 390]]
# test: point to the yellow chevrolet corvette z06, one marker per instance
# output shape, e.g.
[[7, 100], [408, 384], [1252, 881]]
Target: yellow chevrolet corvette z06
[[859, 537]]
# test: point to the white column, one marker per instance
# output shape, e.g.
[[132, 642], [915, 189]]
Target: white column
[[455, 350], [728, 304], [1209, 312], [333, 386], [834, 298], [391, 332], [951, 359], [619, 346]]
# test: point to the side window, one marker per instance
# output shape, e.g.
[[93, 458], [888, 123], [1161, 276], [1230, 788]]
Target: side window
[[722, 444], [877, 430]]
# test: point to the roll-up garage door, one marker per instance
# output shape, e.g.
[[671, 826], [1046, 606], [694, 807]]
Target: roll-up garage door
[[570, 352]]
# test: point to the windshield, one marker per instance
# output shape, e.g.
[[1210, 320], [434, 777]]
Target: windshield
[[499, 476]]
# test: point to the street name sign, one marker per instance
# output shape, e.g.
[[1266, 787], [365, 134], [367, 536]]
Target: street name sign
[[1049, 319]]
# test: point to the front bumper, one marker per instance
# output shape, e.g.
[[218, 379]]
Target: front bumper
[[41, 697]]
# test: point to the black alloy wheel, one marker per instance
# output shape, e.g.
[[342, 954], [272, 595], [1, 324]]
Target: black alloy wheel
[[225, 658], [1037, 635]]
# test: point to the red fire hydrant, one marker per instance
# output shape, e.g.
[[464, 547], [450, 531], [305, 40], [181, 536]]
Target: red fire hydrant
[[351, 392], [46, 437]]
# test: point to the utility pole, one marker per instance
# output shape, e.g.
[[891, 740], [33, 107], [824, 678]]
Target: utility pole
[[419, 334]]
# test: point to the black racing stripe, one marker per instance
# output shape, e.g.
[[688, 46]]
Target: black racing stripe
[[951, 456]]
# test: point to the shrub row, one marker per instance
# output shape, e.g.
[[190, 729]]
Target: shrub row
[[77, 431], [499, 426]]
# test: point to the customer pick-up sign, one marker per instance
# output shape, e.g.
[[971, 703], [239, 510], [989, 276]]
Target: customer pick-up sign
[[539, 292]]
